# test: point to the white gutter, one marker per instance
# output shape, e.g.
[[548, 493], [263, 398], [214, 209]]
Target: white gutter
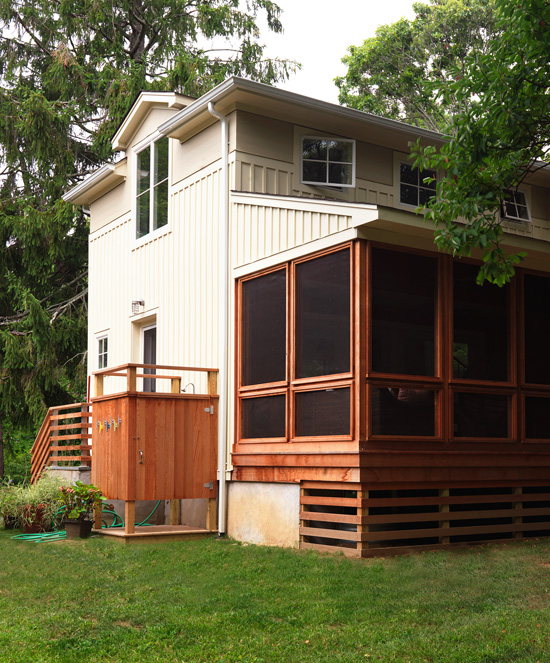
[[224, 293]]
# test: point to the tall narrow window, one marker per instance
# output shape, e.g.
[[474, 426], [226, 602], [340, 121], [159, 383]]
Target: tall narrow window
[[480, 329], [102, 352], [152, 188], [403, 312], [323, 315], [264, 329], [149, 356]]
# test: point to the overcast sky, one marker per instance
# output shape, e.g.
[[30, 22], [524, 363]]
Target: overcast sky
[[318, 32]]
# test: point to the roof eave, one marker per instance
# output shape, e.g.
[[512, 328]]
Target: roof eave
[[97, 184]]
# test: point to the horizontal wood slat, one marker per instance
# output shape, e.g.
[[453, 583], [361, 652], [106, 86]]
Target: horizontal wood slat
[[45, 452], [415, 520], [330, 533], [330, 517]]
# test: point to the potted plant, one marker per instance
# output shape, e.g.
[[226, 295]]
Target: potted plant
[[37, 505], [79, 502]]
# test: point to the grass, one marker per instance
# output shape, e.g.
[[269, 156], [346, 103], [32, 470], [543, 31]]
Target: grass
[[208, 600]]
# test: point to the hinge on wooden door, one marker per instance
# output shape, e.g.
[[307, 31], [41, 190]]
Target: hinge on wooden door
[[209, 485], [210, 409]]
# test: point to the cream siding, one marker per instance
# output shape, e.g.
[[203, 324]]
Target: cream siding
[[177, 272]]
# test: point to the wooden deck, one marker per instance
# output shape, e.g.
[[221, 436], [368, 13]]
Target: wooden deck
[[156, 533]]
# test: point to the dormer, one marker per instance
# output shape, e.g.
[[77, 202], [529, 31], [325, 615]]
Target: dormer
[[141, 111]]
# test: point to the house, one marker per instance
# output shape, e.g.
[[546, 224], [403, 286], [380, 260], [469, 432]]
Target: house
[[370, 397]]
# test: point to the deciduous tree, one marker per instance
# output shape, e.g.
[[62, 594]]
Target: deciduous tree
[[501, 135], [399, 72]]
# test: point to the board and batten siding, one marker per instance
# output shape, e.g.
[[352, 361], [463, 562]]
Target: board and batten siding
[[175, 273]]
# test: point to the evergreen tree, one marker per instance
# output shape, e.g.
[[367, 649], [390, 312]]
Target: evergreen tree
[[69, 71]]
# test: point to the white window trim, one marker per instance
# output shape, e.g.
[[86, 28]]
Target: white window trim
[[328, 185], [398, 159], [514, 221], [99, 338], [152, 234]]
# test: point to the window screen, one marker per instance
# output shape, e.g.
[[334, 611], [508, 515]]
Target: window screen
[[323, 315], [537, 418], [480, 415], [323, 412], [403, 312], [264, 329], [537, 328], [480, 327], [403, 411], [263, 417]]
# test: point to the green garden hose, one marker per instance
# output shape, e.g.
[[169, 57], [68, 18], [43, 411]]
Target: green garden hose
[[58, 535]]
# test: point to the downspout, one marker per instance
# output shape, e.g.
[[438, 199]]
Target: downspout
[[224, 292]]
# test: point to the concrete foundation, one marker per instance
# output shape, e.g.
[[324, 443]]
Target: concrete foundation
[[71, 474], [264, 513], [192, 512]]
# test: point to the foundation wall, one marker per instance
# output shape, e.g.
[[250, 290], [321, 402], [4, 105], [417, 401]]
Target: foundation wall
[[264, 513]]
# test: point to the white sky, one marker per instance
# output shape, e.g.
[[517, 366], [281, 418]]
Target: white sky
[[317, 34]]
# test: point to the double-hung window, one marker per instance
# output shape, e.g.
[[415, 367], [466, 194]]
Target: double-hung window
[[102, 352], [328, 161], [152, 188]]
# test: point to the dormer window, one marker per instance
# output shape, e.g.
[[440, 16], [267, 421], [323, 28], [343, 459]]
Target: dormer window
[[413, 190], [514, 207], [152, 188], [328, 161]]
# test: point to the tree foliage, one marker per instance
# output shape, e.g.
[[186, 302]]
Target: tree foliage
[[400, 72], [501, 135], [69, 71]]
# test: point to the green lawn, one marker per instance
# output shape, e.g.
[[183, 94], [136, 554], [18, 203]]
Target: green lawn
[[209, 600]]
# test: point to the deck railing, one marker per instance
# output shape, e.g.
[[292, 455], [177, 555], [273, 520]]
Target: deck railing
[[149, 372], [64, 438]]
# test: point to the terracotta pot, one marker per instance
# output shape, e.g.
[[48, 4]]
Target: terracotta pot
[[35, 518], [78, 529]]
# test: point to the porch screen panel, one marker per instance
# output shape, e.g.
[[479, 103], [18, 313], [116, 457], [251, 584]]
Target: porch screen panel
[[263, 417], [264, 329], [480, 329], [403, 411], [537, 329], [403, 312], [537, 418], [323, 412], [481, 415], [323, 315]]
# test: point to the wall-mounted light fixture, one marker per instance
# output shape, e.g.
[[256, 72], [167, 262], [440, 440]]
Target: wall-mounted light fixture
[[137, 306]]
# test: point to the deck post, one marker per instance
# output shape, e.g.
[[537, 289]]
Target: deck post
[[175, 385], [131, 379], [129, 517], [212, 383], [518, 520], [362, 527], [97, 516], [99, 381], [174, 512], [444, 508], [211, 512]]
